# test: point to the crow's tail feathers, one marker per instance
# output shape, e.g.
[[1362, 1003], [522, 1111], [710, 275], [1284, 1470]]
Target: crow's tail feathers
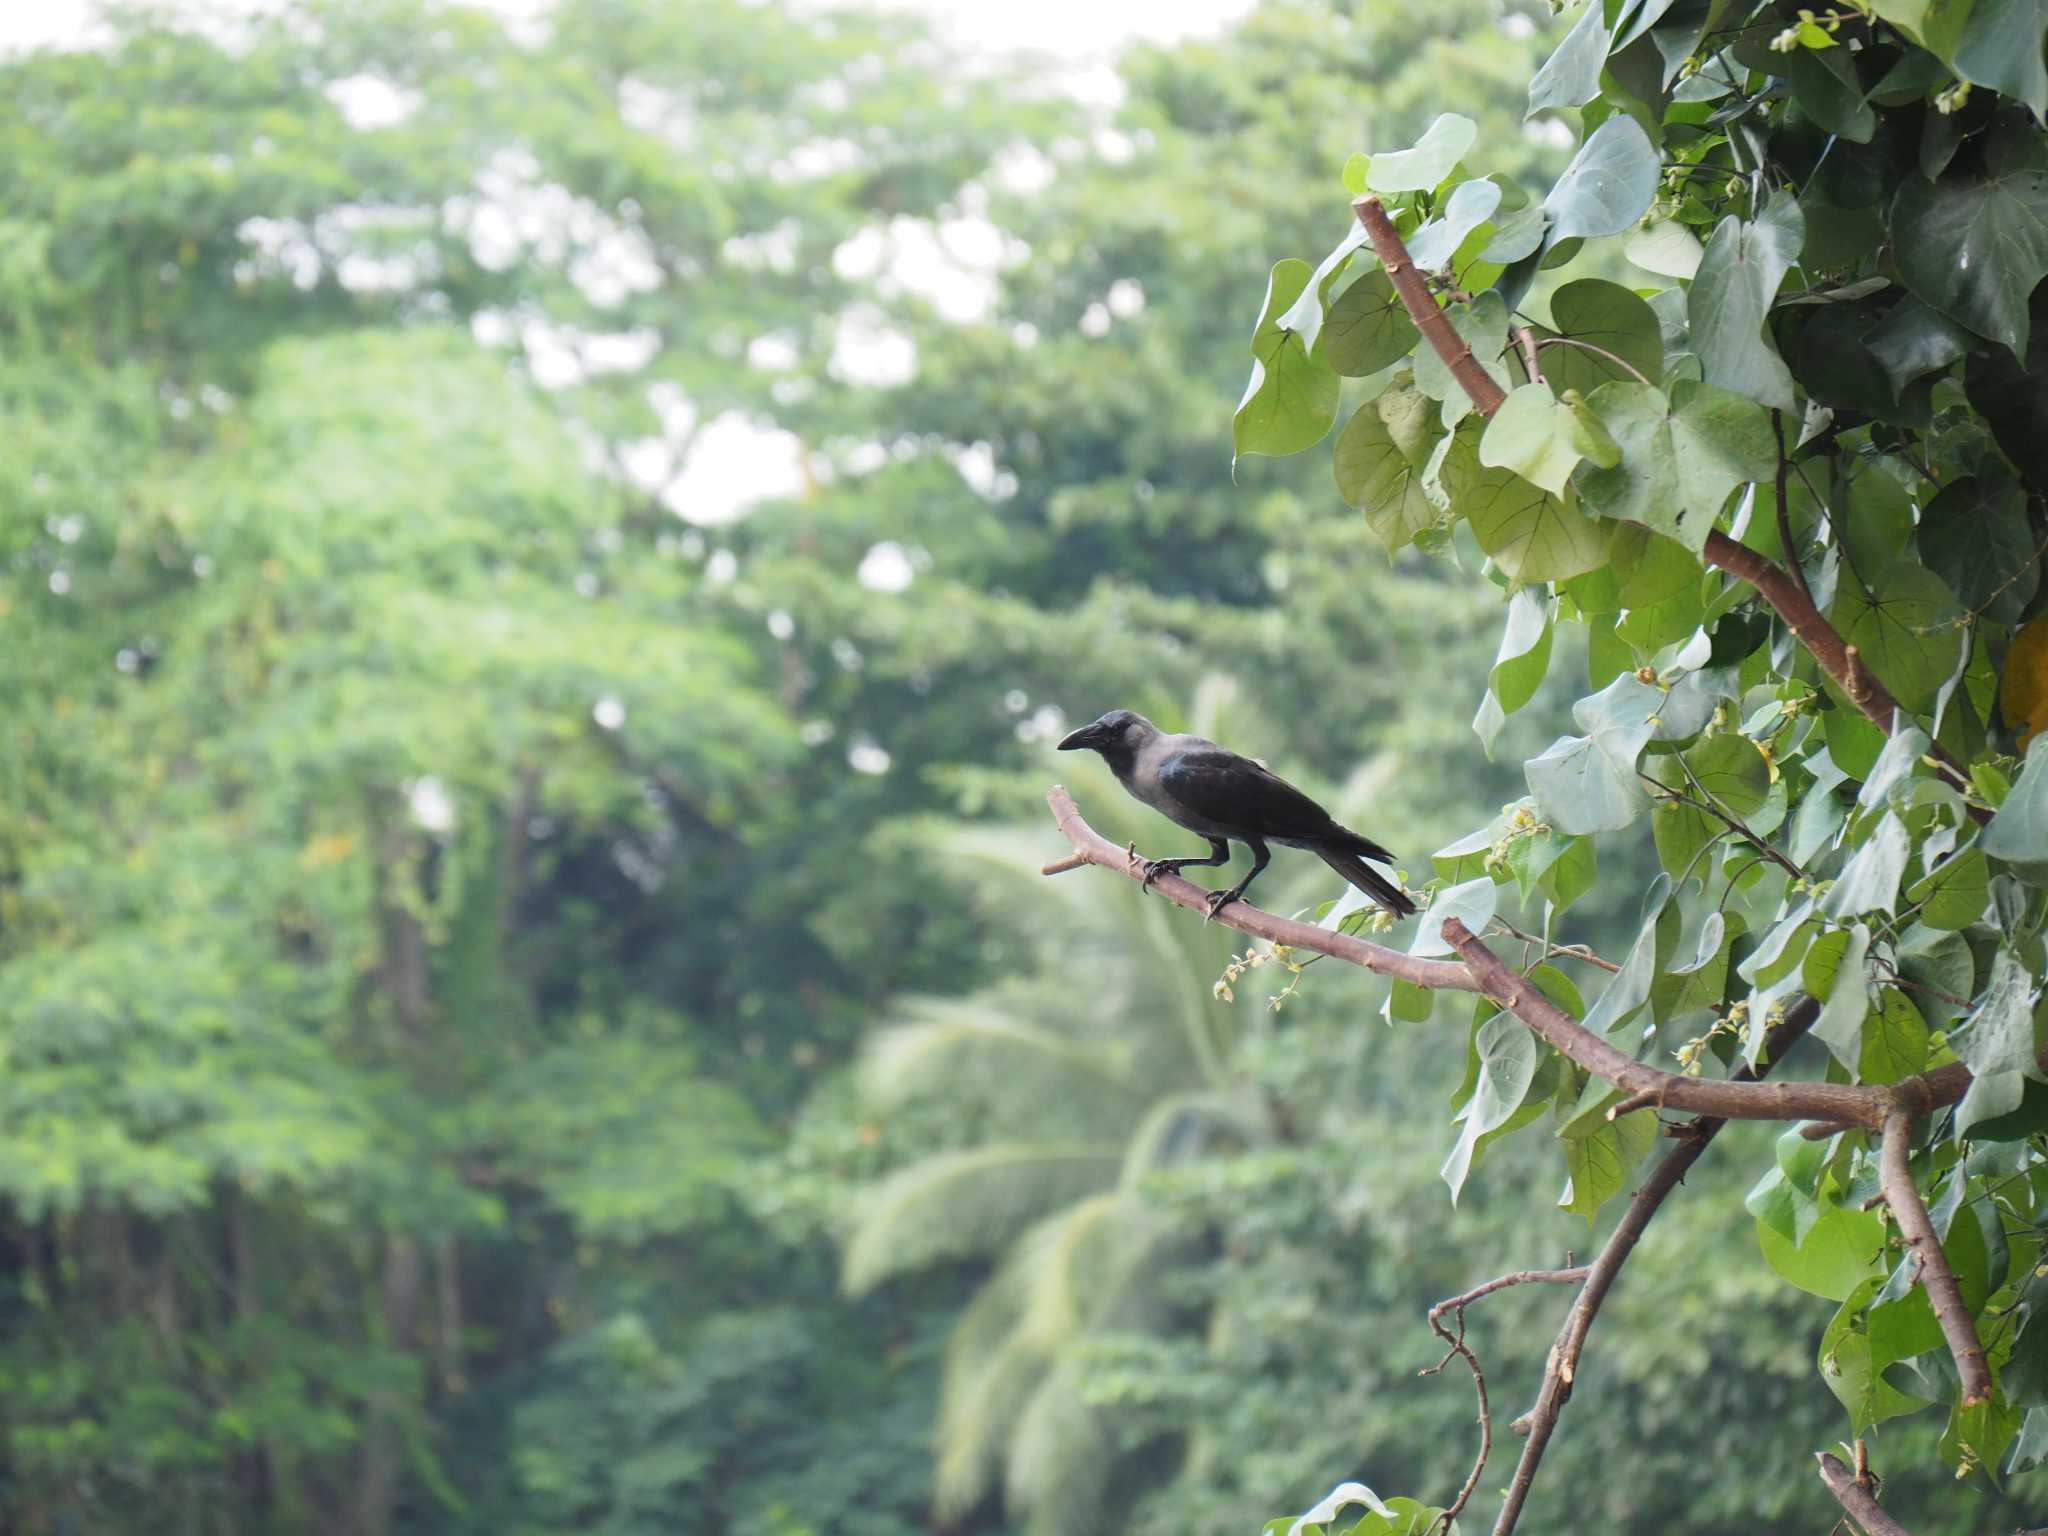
[[1368, 880]]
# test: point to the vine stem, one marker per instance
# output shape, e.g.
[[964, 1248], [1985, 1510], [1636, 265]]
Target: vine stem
[[1712, 807], [1602, 352], [1782, 486], [1785, 595], [1555, 951]]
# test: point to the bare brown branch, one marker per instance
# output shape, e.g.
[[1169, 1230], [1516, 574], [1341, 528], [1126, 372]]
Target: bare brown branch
[[1728, 1098], [1459, 1348], [1856, 1498], [1562, 1368], [1092, 847], [1736, 1098], [1895, 1174]]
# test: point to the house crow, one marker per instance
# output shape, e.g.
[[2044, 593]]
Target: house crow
[[1217, 794]]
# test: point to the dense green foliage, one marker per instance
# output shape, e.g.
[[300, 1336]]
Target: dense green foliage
[[434, 876], [1826, 358], [525, 1001]]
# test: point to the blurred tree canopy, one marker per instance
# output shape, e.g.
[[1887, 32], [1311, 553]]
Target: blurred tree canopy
[[481, 926]]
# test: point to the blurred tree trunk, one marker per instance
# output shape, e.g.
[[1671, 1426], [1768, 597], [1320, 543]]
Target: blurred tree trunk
[[405, 984]]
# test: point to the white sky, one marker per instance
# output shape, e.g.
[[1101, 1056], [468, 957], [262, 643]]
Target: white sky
[[1076, 27], [52, 21], [1079, 29], [733, 463]]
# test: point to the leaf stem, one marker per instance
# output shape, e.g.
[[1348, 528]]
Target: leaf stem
[[1587, 346]]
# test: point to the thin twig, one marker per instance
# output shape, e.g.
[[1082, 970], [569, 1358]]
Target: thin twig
[[1856, 1498], [1554, 951], [2031, 561], [1895, 1174], [1897, 980], [1727, 818], [1527, 340], [1785, 548], [1459, 1348], [1651, 1098]]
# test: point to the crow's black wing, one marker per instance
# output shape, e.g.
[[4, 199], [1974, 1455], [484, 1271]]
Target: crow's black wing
[[1236, 792]]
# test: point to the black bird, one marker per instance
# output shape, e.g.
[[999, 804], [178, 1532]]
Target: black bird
[[1214, 792]]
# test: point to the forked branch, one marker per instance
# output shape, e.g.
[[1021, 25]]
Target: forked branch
[[1562, 1368], [1456, 1305], [1890, 1108]]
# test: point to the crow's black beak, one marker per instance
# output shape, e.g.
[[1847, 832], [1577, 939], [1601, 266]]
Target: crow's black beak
[[1087, 736]]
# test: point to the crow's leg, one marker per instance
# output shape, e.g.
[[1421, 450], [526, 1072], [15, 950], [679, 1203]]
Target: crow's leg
[[1218, 900], [1219, 853]]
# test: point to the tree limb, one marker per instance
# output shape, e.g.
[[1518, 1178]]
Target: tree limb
[[1478, 384], [1895, 1176], [1091, 847], [1890, 1108], [1563, 1365], [1735, 1098], [1855, 1498]]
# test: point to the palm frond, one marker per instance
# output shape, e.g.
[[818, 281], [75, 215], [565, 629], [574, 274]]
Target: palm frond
[[958, 1203], [1190, 1125], [1061, 1468], [1132, 1297], [990, 1372], [968, 1048], [1059, 1261]]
